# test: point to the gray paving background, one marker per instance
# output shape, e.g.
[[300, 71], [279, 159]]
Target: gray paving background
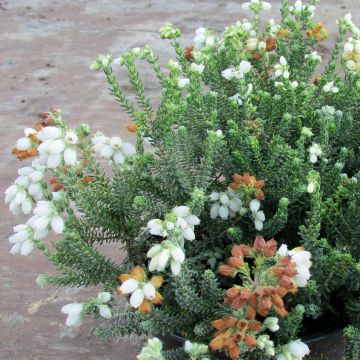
[[45, 50]]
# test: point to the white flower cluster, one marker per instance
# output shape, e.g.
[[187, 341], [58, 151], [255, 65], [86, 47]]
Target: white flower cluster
[[351, 54], [163, 254], [256, 5], [27, 188], [203, 38], [248, 27], [114, 149], [263, 342], [25, 143], [239, 98], [57, 147], [45, 217], [182, 82], [282, 69], [254, 44], [295, 350], [75, 311], [197, 68], [273, 27], [225, 204], [238, 73], [229, 203], [178, 225], [271, 323], [314, 56], [139, 291], [330, 87], [180, 222], [302, 259], [353, 28], [315, 152], [298, 8]]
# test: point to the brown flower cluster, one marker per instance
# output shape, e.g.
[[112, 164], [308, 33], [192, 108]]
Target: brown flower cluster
[[250, 183], [318, 32], [231, 332], [45, 120], [269, 285]]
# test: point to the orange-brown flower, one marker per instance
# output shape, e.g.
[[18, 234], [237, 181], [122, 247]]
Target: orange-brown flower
[[132, 128], [143, 292], [283, 32], [231, 332], [189, 52], [318, 32], [250, 183], [270, 44]]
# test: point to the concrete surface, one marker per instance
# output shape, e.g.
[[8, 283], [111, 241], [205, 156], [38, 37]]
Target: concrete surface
[[46, 47]]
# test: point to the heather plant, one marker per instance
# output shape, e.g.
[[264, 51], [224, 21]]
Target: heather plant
[[237, 206]]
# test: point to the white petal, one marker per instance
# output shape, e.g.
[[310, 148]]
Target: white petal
[[26, 206], [43, 208], [235, 204], [73, 308], [149, 291], [164, 257], [57, 147], [182, 211], [34, 188], [70, 156], [214, 196], [104, 296], [137, 298], [258, 225], [24, 144], [20, 197], [224, 212], [105, 311], [115, 141], [283, 250], [15, 208], [49, 133], [41, 223], [192, 220], [22, 181], [175, 267], [106, 151], [71, 138], [188, 234], [119, 157], [36, 176], [54, 161], [254, 205], [40, 234], [154, 251], [154, 263], [129, 286], [73, 320], [15, 249], [25, 171], [128, 149], [214, 211], [57, 224], [224, 199], [298, 349], [178, 255], [27, 247]]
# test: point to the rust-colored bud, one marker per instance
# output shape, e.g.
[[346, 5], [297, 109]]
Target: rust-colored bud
[[226, 270], [259, 243], [270, 248]]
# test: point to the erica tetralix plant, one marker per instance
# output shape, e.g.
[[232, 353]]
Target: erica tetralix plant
[[250, 140]]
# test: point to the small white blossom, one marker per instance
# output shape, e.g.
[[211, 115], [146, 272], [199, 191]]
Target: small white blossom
[[74, 312], [166, 253], [263, 342], [281, 69], [271, 323], [104, 310], [294, 350], [330, 87], [182, 82], [315, 152], [203, 38], [114, 149], [256, 5], [314, 56], [198, 68], [179, 223], [226, 204]]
